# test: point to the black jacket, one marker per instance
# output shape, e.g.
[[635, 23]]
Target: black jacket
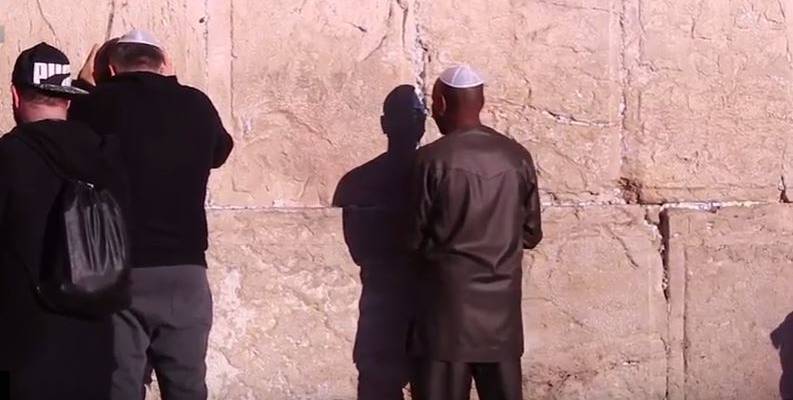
[[476, 208], [171, 137], [48, 354]]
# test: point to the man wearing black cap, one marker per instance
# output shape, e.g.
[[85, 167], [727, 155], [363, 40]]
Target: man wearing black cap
[[171, 137], [49, 355]]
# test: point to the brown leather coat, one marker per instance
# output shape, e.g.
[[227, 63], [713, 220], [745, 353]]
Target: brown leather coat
[[475, 209]]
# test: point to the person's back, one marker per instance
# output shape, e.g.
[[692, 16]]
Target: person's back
[[171, 137], [49, 354], [475, 241], [476, 208]]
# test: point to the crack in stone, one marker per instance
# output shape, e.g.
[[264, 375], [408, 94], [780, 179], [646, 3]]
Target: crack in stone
[[46, 20], [787, 37], [563, 310], [405, 10], [389, 23], [624, 77], [665, 232], [110, 19], [420, 55], [568, 119], [205, 21], [571, 6], [634, 264]]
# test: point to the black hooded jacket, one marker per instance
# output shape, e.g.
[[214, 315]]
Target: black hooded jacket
[[32, 339]]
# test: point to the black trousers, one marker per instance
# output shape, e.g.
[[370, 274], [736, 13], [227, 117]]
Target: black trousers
[[440, 380]]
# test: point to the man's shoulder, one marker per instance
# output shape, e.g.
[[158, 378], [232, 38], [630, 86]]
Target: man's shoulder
[[195, 95], [483, 152], [11, 147], [9, 139], [480, 140], [438, 148]]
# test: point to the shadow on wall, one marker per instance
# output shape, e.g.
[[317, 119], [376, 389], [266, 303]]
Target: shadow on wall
[[782, 338], [374, 197]]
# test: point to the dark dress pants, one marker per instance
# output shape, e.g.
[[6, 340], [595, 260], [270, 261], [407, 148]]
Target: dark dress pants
[[440, 380]]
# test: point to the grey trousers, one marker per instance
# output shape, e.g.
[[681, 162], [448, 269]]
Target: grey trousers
[[167, 329]]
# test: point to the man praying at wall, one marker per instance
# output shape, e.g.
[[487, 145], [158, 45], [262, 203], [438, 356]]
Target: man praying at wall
[[171, 137], [476, 208]]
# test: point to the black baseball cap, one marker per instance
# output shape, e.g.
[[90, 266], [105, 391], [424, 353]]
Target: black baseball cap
[[45, 68]]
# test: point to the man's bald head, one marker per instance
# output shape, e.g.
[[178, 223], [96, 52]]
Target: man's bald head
[[453, 108]]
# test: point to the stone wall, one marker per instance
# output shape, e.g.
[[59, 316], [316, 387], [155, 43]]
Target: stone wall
[[661, 134]]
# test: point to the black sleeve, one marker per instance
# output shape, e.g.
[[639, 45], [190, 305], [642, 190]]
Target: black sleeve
[[5, 182], [83, 109], [83, 84], [422, 188], [223, 141], [532, 226]]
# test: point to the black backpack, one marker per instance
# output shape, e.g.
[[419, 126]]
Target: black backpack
[[84, 268]]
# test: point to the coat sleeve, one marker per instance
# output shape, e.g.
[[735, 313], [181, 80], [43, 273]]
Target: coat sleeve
[[5, 184], [223, 141], [532, 226], [420, 206]]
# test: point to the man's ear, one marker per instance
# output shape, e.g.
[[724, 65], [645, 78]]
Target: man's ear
[[15, 96], [438, 105]]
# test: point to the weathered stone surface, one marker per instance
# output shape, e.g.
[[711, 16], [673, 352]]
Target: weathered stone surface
[[709, 99], [730, 276], [27, 23], [642, 100], [308, 84], [75, 27], [594, 308], [181, 26], [286, 297], [553, 81]]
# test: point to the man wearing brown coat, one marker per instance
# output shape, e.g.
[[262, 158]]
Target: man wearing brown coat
[[476, 208]]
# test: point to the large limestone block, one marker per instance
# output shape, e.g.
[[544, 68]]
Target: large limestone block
[[180, 25], [75, 26], [594, 307], [26, 23], [709, 99], [553, 81], [730, 276], [308, 83], [286, 295]]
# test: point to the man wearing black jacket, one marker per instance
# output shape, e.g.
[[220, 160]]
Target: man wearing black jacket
[[48, 355], [476, 208], [171, 137]]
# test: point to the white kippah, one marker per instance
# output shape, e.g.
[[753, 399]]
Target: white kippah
[[140, 37], [461, 77]]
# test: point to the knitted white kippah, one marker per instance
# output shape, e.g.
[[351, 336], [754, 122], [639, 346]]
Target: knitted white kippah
[[140, 37], [461, 77]]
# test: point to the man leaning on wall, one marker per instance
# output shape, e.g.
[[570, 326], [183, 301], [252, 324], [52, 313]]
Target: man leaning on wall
[[171, 137], [476, 207]]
